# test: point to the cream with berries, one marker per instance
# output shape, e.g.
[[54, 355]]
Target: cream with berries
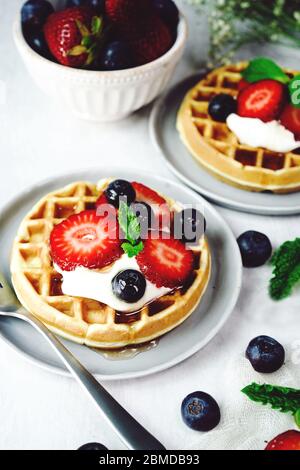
[[118, 253]]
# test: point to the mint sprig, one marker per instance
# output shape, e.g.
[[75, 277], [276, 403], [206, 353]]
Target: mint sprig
[[131, 227], [283, 399], [262, 68], [286, 269]]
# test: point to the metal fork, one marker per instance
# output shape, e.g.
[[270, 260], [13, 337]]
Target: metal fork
[[128, 429]]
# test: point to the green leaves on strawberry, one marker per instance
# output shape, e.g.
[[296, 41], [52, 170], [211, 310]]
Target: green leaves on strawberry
[[75, 36]]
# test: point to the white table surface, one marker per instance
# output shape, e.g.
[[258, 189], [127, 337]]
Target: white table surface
[[39, 410]]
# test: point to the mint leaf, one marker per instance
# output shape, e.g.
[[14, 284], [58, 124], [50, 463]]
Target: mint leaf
[[294, 90], [297, 418], [263, 68], [286, 269], [284, 399], [129, 223], [131, 250]]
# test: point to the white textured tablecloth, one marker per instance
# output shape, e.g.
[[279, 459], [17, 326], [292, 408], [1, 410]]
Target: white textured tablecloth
[[39, 410]]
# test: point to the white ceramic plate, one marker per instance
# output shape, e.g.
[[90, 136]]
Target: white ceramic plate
[[184, 166], [190, 337]]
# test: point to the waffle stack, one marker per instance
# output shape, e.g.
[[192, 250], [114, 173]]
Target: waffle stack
[[217, 149], [38, 285]]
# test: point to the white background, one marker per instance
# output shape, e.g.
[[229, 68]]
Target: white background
[[39, 410]]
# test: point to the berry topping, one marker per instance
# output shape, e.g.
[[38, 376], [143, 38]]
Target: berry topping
[[255, 248], [265, 354], [200, 411], [289, 440], [120, 189], [165, 261], [85, 239], [72, 35], [263, 100], [243, 84], [93, 446], [189, 225], [116, 56], [159, 204], [221, 106], [168, 12], [35, 12], [290, 119], [129, 285]]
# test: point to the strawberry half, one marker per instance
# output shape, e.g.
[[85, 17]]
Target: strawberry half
[[290, 118], [85, 239], [158, 203], [289, 440], [243, 84], [263, 100], [72, 35], [165, 262]]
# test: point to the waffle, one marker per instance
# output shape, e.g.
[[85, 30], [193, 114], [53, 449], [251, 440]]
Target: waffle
[[38, 285], [218, 150]]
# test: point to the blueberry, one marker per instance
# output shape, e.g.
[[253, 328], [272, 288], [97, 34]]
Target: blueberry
[[221, 106], [200, 411], [93, 446], [36, 40], [116, 55], [145, 214], [189, 225], [129, 285], [35, 12], [255, 248], [265, 354], [99, 5], [168, 12], [120, 189]]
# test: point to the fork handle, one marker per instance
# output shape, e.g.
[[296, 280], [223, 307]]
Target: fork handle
[[135, 436]]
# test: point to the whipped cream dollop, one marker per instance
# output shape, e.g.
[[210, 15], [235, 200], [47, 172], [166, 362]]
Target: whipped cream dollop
[[96, 285], [256, 133]]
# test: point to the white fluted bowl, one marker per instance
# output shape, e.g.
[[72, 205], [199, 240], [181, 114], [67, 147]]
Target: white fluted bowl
[[102, 96]]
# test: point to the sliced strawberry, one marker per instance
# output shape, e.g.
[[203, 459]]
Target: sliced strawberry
[[243, 84], [289, 440], [290, 118], [85, 239], [263, 100], [165, 262], [158, 203], [102, 199]]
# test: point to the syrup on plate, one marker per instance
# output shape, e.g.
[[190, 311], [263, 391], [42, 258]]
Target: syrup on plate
[[128, 352]]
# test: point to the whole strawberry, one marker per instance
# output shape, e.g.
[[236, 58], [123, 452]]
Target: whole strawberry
[[73, 35], [155, 40], [127, 14]]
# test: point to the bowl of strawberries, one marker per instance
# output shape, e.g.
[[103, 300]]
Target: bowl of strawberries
[[101, 59]]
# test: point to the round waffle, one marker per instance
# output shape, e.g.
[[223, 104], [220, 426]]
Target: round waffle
[[38, 285], [216, 148]]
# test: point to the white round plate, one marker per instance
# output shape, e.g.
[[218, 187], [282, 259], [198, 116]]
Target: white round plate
[[192, 335], [166, 139]]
